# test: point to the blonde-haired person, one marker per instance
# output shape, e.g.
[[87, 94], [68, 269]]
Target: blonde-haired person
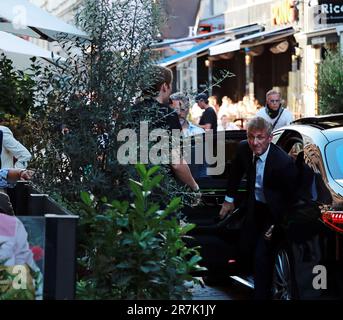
[[274, 112]]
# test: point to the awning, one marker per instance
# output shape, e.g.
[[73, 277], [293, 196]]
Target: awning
[[321, 36], [252, 40], [226, 33], [20, 50], [23, 18], [195, 51]]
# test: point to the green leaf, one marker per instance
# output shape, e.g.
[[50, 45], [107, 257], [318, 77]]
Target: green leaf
[[173, 205], [123, 265], [101, 217], [85, 197], [127, 241], [188, 227], [122, 222], [153, 208], [153, 170], [194, 260], [137, 189], [154, 182], [142, 244], [116, 204], [141, 170], [150, 266]]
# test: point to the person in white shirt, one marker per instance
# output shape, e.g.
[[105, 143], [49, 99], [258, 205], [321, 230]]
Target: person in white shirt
[[224, 124], [12, 148], [180, 102], [273, 112]]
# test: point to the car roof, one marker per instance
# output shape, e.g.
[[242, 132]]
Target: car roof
[[331, 126], [323, 122]]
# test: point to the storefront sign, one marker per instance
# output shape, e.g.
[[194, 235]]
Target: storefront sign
[[328, 12], [284, 12], [318, 40]]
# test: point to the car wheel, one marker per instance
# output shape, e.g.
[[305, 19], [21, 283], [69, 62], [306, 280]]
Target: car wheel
[[283, 287]]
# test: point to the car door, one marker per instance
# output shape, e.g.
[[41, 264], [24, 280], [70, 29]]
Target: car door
[[218, 244], [219, 150]]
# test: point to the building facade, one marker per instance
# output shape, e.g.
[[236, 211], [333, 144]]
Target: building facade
[[284, 54]]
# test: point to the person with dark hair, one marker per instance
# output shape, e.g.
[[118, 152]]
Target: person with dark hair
[[271, 180], [274, 112], [155, 109], [208, 119]]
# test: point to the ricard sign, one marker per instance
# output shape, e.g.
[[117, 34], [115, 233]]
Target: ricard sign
[[329, 12]]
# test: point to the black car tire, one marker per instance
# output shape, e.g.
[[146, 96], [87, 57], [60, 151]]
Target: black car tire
[[284, 284]]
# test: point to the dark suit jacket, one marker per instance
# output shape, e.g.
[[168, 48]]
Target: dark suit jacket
[[279, 180]]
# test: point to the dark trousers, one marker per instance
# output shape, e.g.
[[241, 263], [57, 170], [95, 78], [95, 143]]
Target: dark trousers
[[256, 252]]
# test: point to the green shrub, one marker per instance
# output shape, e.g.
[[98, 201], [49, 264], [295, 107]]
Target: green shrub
[[135, 250], [16, 90], [331, 83]]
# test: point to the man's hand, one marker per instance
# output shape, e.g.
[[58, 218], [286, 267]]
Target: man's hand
[[227, 208], [19, 174], [26, 175]]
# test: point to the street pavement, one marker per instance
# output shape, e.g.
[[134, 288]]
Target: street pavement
[[232, 291]]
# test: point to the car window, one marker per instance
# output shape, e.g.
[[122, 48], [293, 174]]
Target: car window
[[276, 136], [287, 139], [334, 156], [231, 143]]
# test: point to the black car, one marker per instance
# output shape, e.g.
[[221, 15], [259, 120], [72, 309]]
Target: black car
[[312, 245]]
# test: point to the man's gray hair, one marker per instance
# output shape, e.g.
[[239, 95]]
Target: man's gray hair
[[270, 92], [259, 123], [179, 96]]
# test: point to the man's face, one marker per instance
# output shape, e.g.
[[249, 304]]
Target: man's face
[[201, 104], [273, 101], [181, 110], [259, 141], [224, 120]]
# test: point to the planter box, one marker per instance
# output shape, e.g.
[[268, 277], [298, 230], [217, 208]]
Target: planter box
[[58, 236]]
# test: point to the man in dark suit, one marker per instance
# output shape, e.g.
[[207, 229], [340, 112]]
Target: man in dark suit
[[271, 176]]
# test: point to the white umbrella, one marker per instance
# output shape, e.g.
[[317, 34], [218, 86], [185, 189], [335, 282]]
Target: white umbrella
[[24, 18], [20, 50]]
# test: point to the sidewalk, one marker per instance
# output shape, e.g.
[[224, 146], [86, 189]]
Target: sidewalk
[[233, 291]]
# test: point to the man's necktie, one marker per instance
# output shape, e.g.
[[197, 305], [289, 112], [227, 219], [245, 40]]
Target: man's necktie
[[251, 191], [253, 176]]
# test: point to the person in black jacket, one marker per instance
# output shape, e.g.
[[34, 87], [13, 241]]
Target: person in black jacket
[[271, 177], [155, 109]]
